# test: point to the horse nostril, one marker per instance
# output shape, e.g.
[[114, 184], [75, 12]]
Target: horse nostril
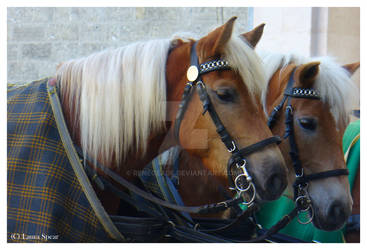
[[275, 184], [336, 216], [337, 212]]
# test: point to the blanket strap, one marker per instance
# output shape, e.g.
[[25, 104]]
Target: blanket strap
[[73, 157]]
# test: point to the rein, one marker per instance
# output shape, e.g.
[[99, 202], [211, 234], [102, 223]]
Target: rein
[[300, 185]]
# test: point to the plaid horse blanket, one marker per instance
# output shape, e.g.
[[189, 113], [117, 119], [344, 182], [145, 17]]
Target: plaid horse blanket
[[45, 200]]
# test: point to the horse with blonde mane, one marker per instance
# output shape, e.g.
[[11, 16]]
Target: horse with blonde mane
[[120, 107], [309, 100]]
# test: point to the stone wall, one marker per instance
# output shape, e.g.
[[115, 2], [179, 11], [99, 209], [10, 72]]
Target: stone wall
[[40, 38], [312, 31], [343, 36]]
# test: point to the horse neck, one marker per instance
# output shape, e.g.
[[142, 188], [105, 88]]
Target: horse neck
[[135, 160]]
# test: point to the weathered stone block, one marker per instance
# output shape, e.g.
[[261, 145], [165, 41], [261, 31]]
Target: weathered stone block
[[12, 52], [94, 32], [30, 15], [62, 32], [29, 33], [36, 51]]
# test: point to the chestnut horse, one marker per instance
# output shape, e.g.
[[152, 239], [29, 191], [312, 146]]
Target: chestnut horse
[[120, 107], [318, 126]]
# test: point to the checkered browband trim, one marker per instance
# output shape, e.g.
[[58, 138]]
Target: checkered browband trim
[[214, 65], [304, 93]]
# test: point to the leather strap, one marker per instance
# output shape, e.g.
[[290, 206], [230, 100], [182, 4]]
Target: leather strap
[[259, 145], [321, 175], [100, 212], [186, 97], [209, 208]]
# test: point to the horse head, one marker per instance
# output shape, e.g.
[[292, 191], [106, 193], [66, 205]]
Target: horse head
[[320, 99], [234, 94]]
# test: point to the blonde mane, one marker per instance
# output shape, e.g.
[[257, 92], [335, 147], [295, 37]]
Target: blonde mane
[[333, 81], [119, 95]]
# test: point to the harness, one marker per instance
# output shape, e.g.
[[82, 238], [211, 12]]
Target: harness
[[165, 214], [169, 216], [300, 185]]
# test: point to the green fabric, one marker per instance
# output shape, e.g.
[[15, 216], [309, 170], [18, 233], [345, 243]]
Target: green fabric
[[272, 212], [353, 160]]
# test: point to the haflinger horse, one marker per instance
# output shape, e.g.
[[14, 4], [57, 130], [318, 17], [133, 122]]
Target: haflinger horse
[[120, 107], [117, 103], [309, 101]]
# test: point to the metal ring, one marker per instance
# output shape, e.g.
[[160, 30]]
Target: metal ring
[[309, 220], [241, 189], [253, 196], [303, 197], [244, 162], [232, 149]]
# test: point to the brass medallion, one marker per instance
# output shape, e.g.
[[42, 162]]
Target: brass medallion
[[192, 73]]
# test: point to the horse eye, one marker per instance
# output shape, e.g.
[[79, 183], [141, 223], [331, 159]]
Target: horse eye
[[226, 95], [308, 123]]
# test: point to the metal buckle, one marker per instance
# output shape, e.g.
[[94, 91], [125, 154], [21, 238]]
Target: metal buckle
[[224, 203], [189, 84], [289, 107], [200, 83], [171, 223], [233, 148], [244, 170], [301, 175]]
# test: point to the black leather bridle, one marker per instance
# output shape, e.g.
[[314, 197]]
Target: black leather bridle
[[243, 182], [301, 196]]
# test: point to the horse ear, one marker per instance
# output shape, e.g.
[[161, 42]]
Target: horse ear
[[253, 36], [216, 40], [305, 74], [352, 67]]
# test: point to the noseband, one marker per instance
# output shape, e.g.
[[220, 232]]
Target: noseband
[[243, 182], [301, 195]]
